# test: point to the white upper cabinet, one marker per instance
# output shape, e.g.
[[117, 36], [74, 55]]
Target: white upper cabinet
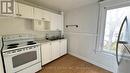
[[54, 22], [38, 14], [46, 15], [40, 25], [60, 22], [24, 11], [48, 20], [16, 9]]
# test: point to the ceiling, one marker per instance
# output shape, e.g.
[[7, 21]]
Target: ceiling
[[62, 5]]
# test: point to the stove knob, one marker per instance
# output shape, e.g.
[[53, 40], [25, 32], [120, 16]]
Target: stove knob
[[14, 51], [24, 49], [34, 47], [30, 47], [19, 50], [9, 52], [4, 52], [27, 48]]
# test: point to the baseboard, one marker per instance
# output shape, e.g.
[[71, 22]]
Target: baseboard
[[92, 62]]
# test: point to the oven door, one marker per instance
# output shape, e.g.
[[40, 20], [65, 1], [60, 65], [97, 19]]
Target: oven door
[[22, 60]]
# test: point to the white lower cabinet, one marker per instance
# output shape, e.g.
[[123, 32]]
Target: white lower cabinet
[[46, 53], [63, 47], [53, 50]]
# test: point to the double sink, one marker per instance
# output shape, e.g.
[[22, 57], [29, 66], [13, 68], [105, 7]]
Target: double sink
[[49, 39], [54, 38]]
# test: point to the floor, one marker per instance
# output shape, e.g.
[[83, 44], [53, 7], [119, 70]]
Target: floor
[[71, 64]]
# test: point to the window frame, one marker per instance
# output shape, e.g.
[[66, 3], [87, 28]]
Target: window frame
[[104, 6]]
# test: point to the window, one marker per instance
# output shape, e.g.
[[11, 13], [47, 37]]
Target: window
[[114, 19]]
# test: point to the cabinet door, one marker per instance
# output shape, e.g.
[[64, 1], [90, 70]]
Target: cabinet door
[[38, 14], [46, 15], [55, 49], [16, 9], [63, 47], [60, 22], [25, 11], [46, 53], [54, 22], [38, 25]]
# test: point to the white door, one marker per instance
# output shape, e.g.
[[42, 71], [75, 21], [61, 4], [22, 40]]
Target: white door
[[25, 11], [55, 49], [46, 53], [63, 47]]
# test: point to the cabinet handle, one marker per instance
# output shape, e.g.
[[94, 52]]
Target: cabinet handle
[[43, 18], [19, 14]]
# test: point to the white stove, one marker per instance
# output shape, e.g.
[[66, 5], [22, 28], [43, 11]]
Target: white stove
[[1, 63], [21, 54]]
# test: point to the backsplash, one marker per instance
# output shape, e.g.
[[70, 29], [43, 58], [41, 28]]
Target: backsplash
[[11, 25]]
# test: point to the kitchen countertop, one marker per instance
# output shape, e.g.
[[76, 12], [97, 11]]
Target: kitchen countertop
[[46, 41]]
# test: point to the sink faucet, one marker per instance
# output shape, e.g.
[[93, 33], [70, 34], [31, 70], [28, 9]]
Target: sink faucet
[[46, 37]]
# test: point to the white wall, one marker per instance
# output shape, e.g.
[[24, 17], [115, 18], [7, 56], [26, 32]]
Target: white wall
[[82, 40]]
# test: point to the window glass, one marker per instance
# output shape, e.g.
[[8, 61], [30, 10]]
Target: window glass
[[24, 58], [114, 20]]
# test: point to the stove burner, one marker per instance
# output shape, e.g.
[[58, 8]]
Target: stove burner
[[31, 42], [15, 44], [10, 47]]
